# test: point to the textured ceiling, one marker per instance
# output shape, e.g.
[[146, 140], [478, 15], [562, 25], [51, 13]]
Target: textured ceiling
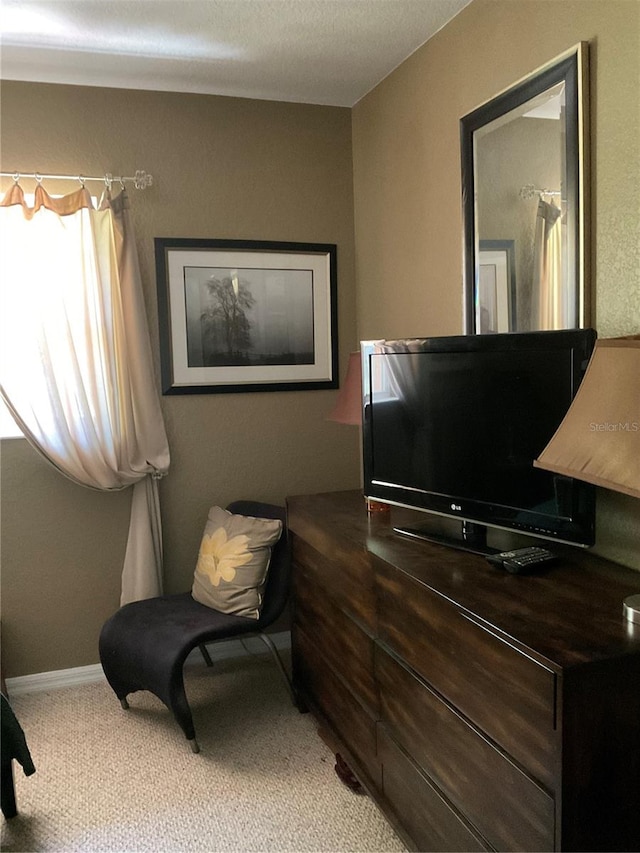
[[308, 51]]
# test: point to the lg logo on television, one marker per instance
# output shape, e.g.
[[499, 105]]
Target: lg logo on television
[[456, 507]]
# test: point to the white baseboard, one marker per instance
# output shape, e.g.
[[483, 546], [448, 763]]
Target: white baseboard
[[59, 678], [54, 680]]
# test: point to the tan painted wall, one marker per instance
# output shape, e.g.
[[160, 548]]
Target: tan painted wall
[[407, 177], [222, 167], [264, 170]]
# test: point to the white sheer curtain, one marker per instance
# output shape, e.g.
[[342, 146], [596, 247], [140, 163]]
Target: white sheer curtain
[[75, 358], [550, 311]]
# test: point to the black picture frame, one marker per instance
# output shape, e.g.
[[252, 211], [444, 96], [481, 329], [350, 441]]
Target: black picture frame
[[501, 255], [246, 315]]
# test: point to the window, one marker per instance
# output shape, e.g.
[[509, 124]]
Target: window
[[8, 427]]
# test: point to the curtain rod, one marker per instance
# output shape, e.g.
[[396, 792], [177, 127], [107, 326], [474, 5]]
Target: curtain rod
[[529, 191], [141, 180]]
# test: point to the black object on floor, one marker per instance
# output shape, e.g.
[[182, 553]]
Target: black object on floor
[[13, 745]]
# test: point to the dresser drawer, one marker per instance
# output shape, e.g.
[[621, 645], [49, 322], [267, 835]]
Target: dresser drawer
[[344, 574], [346, 647], [324, 689], [506, 806], [427, 817], [504, 692]]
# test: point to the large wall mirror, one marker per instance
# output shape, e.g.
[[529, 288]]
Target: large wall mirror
[[524, 178]]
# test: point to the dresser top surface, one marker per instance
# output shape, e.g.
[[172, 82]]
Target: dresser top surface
[[567, 615]]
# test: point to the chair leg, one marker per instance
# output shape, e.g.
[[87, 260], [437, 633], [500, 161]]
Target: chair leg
[[266, 639], [205, 654]]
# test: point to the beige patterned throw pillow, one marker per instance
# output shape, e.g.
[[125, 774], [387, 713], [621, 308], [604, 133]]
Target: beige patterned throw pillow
[[233, 562]]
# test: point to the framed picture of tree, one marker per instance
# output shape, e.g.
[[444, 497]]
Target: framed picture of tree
[[246, 315]]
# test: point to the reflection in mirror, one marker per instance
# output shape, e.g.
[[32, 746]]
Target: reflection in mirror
[[523, 168]]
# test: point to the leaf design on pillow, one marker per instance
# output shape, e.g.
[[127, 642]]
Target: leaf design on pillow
[[220, 556]]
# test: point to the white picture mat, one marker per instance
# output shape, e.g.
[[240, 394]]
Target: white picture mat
[[492, 309], [318, 265]]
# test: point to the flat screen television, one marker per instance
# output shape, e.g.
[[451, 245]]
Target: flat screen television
[[451, 426]]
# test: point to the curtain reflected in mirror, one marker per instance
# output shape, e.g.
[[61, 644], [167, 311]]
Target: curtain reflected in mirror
[[550, 310], [523, 168]]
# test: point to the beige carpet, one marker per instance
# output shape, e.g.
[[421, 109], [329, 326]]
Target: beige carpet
[[114, 780]]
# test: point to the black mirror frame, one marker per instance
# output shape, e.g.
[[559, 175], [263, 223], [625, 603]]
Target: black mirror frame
[[572, 68]]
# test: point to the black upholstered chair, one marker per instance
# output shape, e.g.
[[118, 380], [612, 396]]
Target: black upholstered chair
[[144, 645]]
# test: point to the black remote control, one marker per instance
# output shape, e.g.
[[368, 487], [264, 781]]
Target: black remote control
[[522, 561]]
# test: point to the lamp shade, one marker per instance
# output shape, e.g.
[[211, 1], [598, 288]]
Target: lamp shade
[[599, 439], [348, 407]]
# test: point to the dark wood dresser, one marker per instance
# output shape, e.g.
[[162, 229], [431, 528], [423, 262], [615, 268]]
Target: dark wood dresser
[[481, 710]]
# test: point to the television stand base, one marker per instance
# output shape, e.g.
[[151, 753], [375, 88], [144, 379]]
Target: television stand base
[[472, 539]]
